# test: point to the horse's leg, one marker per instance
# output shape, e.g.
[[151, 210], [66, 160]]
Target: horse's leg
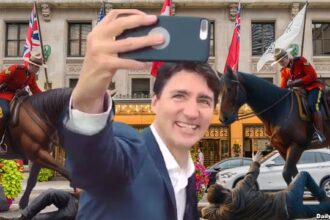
[[46, 160], [292, 157], [32, 180], [283, 154]]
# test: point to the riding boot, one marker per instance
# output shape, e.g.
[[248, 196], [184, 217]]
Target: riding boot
[[2, 123], [318, 136]]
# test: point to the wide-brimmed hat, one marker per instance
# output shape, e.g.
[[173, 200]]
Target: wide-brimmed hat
[[35, 58], [279, 54]]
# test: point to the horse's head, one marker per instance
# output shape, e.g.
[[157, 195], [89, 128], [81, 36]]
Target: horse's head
[[232, 97]]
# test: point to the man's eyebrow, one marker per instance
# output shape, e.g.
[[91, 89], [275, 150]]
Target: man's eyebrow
[[181, 91]]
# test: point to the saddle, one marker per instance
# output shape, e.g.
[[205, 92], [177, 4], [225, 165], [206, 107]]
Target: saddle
[[14, 108], [304, 111], [15, 104]]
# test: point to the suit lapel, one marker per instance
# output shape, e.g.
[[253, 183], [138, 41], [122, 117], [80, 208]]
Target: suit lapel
[[158, 159], [191, 210]]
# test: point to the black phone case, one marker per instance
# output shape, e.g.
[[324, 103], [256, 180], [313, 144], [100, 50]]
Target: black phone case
[[184, 45]]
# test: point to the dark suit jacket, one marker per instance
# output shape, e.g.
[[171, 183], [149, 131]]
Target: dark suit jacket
[[124, 175]]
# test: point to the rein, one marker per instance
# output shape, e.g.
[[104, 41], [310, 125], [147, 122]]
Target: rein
[[249, 115]]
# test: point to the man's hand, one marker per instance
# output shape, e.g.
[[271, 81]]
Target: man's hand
[[256, 157], [289, 83], [293, 83], [101, 60]]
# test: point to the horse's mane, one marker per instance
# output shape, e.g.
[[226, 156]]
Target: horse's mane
[[258, 84], [262, 94], [50, 104]]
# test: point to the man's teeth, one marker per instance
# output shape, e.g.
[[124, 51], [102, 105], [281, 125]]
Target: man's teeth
[[184, 125]]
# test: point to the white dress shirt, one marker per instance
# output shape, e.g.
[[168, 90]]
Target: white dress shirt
[[89, 124], [179, 176]]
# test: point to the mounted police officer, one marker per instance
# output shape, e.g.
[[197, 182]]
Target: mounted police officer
[[298, 72], [17, 77]]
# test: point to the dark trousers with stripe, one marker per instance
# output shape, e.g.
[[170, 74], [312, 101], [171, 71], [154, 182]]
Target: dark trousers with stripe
[[314, 99]]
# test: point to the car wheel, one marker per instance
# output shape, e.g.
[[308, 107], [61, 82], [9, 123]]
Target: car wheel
[[236, 182], [326, 186]]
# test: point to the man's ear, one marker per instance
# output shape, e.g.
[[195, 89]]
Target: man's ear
[[154, 100]]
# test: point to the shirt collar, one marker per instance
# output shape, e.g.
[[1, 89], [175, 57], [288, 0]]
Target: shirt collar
[[170, 161]]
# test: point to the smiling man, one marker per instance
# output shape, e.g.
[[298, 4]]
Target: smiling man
[[126, 174]]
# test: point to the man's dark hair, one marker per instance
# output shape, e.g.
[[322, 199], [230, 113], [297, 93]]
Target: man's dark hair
[[216, 194], [168, 70]]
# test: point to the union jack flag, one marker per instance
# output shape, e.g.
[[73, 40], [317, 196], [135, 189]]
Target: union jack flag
[[101, 14], [32, 34]]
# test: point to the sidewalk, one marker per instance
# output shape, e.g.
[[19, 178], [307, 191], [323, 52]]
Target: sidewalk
[[57, 183]]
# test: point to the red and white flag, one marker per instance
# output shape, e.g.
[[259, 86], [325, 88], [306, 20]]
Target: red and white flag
[[167, 8], [166, 11], [233, 54], [32, 34]]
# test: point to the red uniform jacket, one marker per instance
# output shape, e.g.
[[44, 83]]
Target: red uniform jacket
[[300, 69], [15, 77]]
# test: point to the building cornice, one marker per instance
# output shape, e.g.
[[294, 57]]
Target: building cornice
[[158, 3]]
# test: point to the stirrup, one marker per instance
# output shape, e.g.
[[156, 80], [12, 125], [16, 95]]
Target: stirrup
[[318, 137]]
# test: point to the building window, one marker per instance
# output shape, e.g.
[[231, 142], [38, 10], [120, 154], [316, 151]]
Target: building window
[[321, 38], [210, 149], [140, 88], [263, 34], [269, 79], [254, 139], [73, 83], [77, 36], [15, 39], [212, 39]]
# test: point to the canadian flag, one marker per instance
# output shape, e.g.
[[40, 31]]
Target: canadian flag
[[167, 8], [166, 11], [233, 54]]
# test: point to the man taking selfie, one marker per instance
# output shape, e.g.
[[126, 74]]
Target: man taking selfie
[[127, 175]]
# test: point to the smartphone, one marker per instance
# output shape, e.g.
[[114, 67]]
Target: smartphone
[[186, 39]]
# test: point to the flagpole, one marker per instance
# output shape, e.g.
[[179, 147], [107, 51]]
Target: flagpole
[[239, 8], [303, 34], [47, 85]]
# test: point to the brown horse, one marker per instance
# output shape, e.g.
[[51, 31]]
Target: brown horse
[[278, 110], [32, 133]]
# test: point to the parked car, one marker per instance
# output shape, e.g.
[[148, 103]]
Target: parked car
[[226, 164], [316, 162]]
